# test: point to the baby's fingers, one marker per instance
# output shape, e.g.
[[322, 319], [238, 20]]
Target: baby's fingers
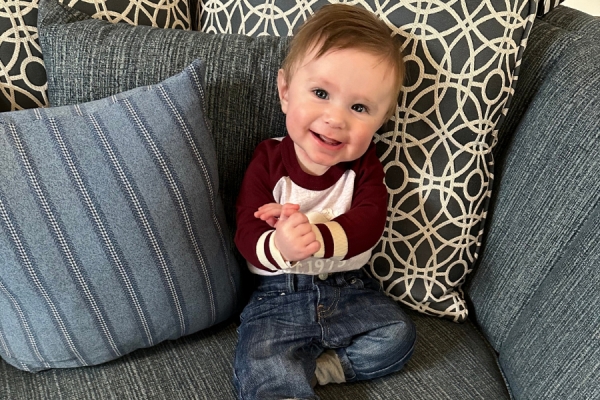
[[288, 209], [312, 248], [267, 211], [308, 244]]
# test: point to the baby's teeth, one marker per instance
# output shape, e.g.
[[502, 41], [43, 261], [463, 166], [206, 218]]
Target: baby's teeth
[[328, 141]]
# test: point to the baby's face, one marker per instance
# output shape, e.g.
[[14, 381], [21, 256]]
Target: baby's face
[[334, 104]]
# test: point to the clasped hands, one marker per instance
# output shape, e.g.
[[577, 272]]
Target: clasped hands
[[294, 236]]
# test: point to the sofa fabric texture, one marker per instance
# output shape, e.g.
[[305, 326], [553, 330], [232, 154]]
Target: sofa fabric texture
[[532, 331], [436, 151], [575, 21], [528, 226], [22, 72], [112, 233], [570, 367], [89, 59], [541, 247], [451, 361]]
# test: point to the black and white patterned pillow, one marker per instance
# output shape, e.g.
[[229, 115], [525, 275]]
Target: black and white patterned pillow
[[462, 60], [546, 6], [22, 71]]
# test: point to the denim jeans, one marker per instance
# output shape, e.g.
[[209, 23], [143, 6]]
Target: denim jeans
[[291, 319]]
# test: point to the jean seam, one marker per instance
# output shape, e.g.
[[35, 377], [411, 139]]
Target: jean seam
[[238, 386], [349, 372]]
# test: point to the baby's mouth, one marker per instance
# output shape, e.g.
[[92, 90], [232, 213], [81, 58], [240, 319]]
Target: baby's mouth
[[326, 140]]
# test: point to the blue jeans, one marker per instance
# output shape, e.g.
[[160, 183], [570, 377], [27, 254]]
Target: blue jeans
[[291, 319]]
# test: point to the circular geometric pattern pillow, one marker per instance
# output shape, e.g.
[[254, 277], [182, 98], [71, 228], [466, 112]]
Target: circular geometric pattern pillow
[[22, 72], [462, 61], [547, 5]]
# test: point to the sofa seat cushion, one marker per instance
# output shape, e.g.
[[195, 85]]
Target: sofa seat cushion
[[451, 361]]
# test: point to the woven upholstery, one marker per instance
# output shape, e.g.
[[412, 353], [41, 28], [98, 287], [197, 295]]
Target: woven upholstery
[[559, 327], [451, 361], [535, 215], [535, 292]]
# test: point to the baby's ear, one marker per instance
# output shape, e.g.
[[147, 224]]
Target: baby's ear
[[282, 88]]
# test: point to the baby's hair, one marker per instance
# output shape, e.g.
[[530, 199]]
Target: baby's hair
[[342, 26]]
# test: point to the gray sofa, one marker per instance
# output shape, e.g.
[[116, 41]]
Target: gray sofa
[[533, 296]]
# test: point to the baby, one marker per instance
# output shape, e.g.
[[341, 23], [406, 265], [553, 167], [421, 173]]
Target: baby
[[311, 208]]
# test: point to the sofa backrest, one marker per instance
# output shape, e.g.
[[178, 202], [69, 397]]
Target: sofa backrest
[[535, 291], [241, 96]]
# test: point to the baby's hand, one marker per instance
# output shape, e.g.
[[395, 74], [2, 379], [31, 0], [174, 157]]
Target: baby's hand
[[271, 213], [295, 238]]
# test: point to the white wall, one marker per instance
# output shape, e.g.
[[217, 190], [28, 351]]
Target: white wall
[[589, 6]]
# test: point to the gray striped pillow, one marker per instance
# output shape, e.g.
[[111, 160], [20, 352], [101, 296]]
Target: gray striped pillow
[[112, 233]]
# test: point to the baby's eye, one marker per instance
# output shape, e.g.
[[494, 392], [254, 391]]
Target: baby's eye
[[359, 108], [320, 93]]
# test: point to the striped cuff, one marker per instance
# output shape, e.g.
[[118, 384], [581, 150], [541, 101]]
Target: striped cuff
[[268, 254], [333, 239]]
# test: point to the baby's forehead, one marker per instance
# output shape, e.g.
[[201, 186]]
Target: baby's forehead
[[317, 51]]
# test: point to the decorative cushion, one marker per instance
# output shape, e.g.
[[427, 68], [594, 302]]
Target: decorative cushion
[[90, 59], [112, 234], [22, 74], [462, 59]]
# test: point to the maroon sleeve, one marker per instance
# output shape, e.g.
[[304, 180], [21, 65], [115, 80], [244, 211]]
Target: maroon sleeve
[[365, 221], [256, 191]]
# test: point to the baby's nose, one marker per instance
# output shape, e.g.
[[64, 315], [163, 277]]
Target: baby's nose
[[335, 117]]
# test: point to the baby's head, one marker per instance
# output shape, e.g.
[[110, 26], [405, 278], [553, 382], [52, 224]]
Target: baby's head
[[342, 26], [339, 83]]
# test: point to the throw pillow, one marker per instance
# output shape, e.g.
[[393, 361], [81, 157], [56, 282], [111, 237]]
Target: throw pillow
[[22, 73], [90, 59], [112, 234], [462, 59]]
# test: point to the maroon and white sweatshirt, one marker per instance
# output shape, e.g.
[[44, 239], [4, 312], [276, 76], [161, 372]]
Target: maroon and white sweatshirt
[[347, 207]]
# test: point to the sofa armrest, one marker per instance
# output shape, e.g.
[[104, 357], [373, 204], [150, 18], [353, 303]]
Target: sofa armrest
[[538, 257]]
